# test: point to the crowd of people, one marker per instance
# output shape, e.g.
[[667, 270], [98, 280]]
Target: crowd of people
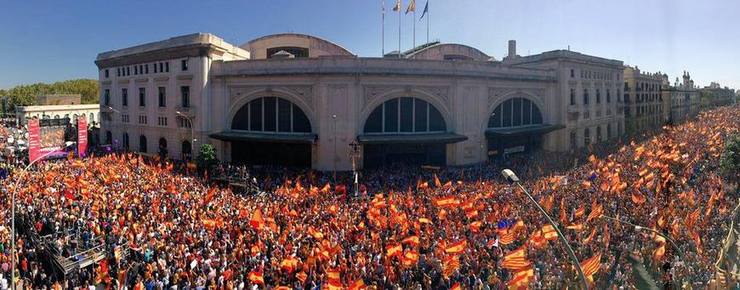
[[463, 228]]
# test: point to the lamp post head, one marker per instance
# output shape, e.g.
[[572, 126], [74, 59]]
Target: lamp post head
[[509, 175]]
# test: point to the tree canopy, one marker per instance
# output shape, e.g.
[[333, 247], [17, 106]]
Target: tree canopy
[[25, 95]]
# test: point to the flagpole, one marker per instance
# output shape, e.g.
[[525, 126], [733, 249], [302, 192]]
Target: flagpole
[[382, 29], [426, 7], [414, 27], [399, 30]]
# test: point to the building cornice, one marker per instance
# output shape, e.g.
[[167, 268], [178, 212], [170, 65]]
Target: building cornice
[[191, 45], [377, 66]]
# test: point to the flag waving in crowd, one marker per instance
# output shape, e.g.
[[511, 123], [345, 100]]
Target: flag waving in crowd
[[303, 232]]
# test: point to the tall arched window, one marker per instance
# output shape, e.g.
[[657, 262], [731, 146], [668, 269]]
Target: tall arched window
[[405, 115], [271, 114], [515, 112], [186, 149], [125, 141], [142, 143]]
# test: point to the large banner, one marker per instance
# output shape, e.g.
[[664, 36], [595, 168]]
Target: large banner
[[81, 136], [34, 140], [46, 138]]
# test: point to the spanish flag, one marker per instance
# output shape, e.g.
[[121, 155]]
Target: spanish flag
[[392, 250], [446, 202], [456, 286], [411, 240], [256, 277], [332, 275], [333, 285], [289, 264], [358, 285], [411, 7], [456, 248], [409, 258], [257, 222]]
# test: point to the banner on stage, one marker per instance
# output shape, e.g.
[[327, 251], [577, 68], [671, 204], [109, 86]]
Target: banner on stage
[[81, 136]]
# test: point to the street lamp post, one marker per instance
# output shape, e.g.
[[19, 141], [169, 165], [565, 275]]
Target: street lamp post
[[192, 134], [512, 178], [12, 214], [354, 153]]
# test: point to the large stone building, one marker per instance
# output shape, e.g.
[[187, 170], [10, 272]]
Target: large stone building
[[715, 95], [644, 103], [301, 100], [683, 97]]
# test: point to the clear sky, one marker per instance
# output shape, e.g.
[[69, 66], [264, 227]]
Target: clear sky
[[45, 41]]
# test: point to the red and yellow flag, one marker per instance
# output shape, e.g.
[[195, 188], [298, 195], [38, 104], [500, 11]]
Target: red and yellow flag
[[591, 265], [358, 285], [393, 249], [257, 222], [289, 264], [411, 240], [516, 260], [521, 278], [457, 247], [456, 286], [446, 202], [548, 231], [256, 277]]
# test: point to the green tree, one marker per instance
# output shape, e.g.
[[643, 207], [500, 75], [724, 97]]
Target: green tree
[[730, 160], [206, 157], [25, 95]]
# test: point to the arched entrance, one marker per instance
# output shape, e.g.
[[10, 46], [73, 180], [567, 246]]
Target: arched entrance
[[124, 142], [186, 149], [270, 131], [516, 126], [162, 147], [142, 144], [406, 130]]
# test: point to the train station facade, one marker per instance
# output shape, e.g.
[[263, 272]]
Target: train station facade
[[299, 100]]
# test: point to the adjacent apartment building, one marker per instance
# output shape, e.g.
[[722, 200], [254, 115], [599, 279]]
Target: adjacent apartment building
[[644, 107], [683, 97]]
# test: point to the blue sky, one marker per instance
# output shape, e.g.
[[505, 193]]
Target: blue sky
[[44, 41]]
